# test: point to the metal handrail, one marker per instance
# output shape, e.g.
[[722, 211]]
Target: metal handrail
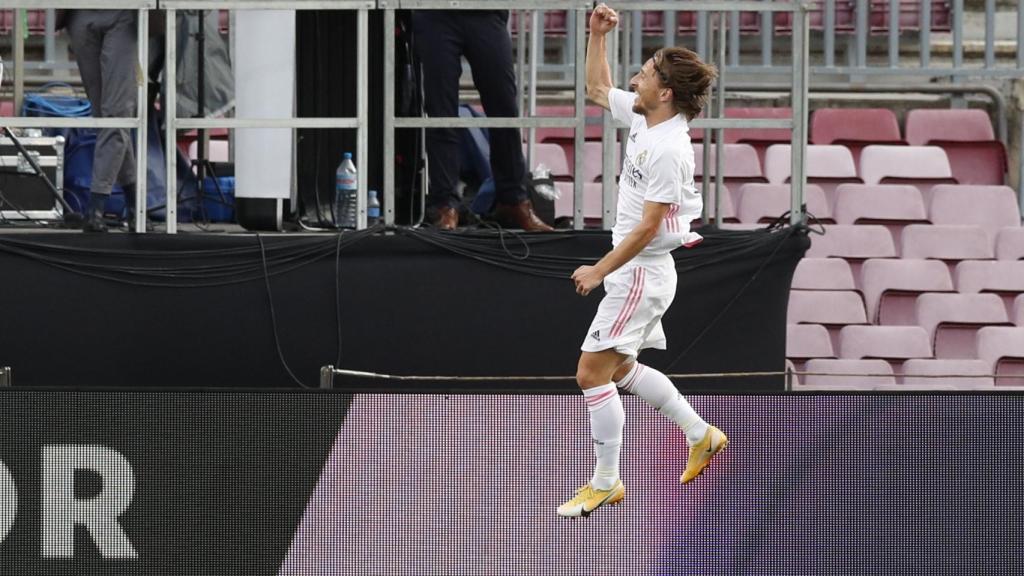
[[359, 122], [140, 122]]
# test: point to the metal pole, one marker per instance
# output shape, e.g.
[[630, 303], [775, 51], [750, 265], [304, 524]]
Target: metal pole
[[1020, 167], [170, 117], [766, 37], [830, 31], [5, 377], [1020, 35], [327, 377], [720, 113], [580, 16], [49, 38], [608, 143], [536, 34], [958, 37], [521, 58], [801, 57], [894, 34], [669, 19], [389, 115], [926, 31], [862, 33], [19, 59], [142, 133], [362, 113], [990, 33], [734, 38]]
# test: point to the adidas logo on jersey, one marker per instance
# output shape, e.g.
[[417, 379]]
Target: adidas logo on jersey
[[596, 335]]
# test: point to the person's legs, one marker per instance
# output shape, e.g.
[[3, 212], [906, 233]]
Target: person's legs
[[658, 391], [114, 160], [438, 39], [489, 52], [85, 31], [607, 418]]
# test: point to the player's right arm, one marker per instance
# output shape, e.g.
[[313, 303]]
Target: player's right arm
[[599, 75]]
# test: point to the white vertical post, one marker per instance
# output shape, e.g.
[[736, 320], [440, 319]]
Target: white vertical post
[[389, 116], [801, 57], [362, 113], [170, 118], [142, 134]]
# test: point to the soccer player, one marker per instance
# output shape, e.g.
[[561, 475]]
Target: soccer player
[[657, 201]]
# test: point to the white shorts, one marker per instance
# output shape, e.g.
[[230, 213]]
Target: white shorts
[[629, 317]]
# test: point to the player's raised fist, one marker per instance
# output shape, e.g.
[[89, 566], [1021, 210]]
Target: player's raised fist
[[603, 20]]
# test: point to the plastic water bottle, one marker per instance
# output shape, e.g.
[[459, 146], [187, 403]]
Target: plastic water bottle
[[372, 209], [345, 193]]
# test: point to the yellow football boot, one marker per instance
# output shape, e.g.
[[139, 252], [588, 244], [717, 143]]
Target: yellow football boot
[[714, 441], [588, 499]]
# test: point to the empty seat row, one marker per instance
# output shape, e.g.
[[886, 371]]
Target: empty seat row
[[992, 344], [951, 243], [914, 374]]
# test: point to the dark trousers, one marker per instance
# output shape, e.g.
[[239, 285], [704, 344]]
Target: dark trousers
[[442, 37], [105, 45]]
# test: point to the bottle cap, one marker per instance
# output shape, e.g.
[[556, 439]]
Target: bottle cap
[[348, 156]]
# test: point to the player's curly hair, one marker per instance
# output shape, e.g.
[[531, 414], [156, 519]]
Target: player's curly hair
[[687, 76]]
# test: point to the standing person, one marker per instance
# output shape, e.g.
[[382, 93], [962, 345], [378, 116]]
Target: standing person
[[657, 202], [442, 38], [105, 46]]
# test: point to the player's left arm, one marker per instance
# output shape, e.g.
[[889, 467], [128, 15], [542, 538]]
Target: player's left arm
[[589, 277]]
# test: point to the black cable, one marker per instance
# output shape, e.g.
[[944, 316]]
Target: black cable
[[788, 232], [337, 294], [273, 316]]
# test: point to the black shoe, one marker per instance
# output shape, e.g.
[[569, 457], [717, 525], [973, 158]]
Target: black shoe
[[94, 214]]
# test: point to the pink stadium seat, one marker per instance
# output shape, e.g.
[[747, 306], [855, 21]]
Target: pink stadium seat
[[808, 341], [7, 108], [884, 342], [891, 205], [829, 307], [952, 320], [852, 242], [1003, 277], [555, 22], [949, 243], [759, 138], [910, 16], [845, 17], [766, 202], [847, 374], [592, 157], [825, 162], [975, 156], [564, 136], [727, 207], [922, 166], [1010, 244], [1018, 311], [1002, 348], [926, 126], [855, 128], [975, 374], [990, 207], [890, 287], [36, 21], [552, 156], [827, 166], [592, 200], [823, 274], [741, 164], [218, 151]]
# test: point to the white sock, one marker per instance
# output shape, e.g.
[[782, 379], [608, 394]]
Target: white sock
[[606, 421], [661, 393]]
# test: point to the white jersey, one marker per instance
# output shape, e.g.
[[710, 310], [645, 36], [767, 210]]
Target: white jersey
[[658, 167]]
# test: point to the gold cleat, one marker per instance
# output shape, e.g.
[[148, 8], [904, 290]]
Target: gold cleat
[[588, 499], [714, 441]]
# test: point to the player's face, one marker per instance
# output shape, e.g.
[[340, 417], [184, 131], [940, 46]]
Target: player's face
[[647, 86]]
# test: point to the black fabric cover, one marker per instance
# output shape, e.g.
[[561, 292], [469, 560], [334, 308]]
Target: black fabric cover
[[231, 310]]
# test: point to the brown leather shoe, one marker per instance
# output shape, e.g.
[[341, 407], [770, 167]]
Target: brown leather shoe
[[520, 216], [446, 218]]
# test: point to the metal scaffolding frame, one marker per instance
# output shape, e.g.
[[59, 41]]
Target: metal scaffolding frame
[[139, 123], [578, 10], [359, 122]]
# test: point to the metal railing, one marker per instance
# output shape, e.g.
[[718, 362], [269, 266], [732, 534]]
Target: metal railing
[[359, 122], [139, 123], [578, 14]]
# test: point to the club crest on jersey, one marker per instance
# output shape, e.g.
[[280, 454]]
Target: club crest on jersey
[[641, 158]]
